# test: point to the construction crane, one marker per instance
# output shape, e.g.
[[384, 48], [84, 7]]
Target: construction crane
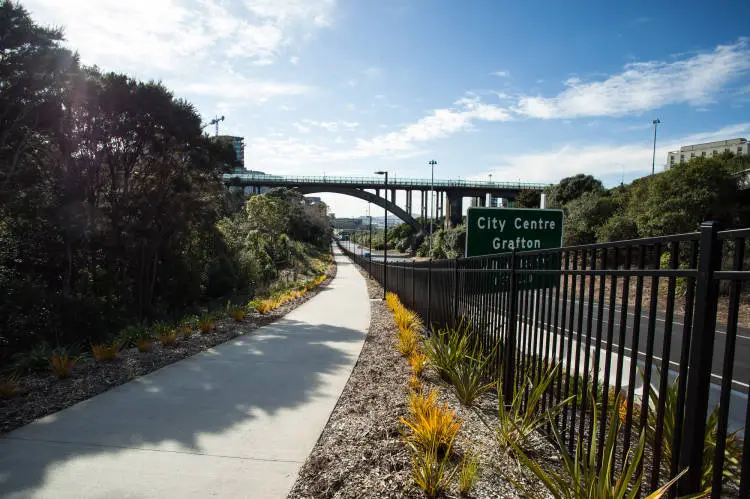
[[214, 121]]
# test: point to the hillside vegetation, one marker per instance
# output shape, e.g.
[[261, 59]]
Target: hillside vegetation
[[112, 210]]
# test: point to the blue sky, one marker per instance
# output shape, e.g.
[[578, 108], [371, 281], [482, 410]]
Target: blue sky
[[521, 90]]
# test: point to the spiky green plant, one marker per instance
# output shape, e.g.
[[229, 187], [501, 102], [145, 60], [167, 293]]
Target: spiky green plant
[[517, 423], [732, 445], [468, 473], [580, 478], [468, 379], [432, 473], [446, 348]]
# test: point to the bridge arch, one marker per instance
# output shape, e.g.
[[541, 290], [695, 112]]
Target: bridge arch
[[366, 196]]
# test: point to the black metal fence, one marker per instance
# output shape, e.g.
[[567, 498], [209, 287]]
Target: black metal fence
[[663, 321]]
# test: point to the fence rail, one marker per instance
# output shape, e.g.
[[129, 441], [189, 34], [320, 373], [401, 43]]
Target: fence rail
[[662, 321]]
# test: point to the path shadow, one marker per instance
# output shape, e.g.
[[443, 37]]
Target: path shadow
[[192, 405]]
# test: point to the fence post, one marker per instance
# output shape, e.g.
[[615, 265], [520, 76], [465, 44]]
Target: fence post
[[699, 363], [510, 334], [413, 298], [455, 292], [429, 295]]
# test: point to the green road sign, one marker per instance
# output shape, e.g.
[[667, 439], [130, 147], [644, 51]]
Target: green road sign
[[491, 231]]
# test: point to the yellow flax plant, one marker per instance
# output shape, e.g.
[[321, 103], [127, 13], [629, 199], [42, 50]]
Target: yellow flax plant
[[415, 384], [430, 426], [10, 386], [406, 319], [391, 299], [417, 361], [105, 351], [62, 363]]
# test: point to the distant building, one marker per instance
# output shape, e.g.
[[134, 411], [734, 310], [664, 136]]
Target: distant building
[[238, 144], [738, 147]]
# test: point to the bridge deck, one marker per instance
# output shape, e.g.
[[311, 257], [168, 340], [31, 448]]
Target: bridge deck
[[376, 182]]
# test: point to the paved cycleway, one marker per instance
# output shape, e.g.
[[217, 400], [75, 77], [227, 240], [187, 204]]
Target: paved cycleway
[[235, 421]]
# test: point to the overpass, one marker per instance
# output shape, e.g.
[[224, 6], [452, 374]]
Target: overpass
[[448, 199]]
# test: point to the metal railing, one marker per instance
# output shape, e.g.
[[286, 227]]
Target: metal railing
[[662, 321], [377, 182]]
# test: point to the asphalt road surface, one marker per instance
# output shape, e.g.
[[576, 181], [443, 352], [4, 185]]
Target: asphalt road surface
[[741, 365]]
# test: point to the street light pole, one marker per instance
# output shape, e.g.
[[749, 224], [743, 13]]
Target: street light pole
[[385, 237], [653, 157], [369, 244], [432, 164]]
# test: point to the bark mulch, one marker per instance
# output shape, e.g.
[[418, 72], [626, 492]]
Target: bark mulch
[[361, 452], [42, 393]]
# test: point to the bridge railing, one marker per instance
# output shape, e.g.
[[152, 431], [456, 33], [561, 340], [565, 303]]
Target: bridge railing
[[378, 182], [666, 313]]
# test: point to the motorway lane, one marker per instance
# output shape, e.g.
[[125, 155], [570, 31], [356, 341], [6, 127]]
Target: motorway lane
[[741, 374]]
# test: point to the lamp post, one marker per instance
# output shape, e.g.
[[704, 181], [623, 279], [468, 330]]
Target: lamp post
[[653, 157], [369, 244], [432, 164], [385, 237]]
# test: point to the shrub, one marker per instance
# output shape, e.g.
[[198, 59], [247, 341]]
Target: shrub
[[106, 352], [417, 361], [264, 306], [468, 473], [406, 319], [9, 387], [62, 363], [206, 323], [516, 423], [188, 325], [415, 384], [580, 477], [236, 312], [433, 427], [732, 444], [429, 471], [391, 299], [468, 379], [422, 404], [168, 338], [446, 348], [144, 345], [407, 342]]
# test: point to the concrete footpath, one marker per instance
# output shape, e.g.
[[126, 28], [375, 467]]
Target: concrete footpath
[[235, 421]]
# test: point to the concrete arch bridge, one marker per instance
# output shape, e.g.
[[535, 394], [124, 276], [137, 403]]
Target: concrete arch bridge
[[449, 194]]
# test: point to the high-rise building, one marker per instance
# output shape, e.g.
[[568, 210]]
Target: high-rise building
[[238, 143], [738, 147]]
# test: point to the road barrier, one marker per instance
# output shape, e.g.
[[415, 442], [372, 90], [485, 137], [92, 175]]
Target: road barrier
[[654, 319]]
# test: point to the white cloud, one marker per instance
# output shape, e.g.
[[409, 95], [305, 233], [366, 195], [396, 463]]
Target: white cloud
[[300, 127], [143, 35], [502, 74], [331, 126], [294, 60], [644, 86], [600, 160], [438, 124], [238, 88]]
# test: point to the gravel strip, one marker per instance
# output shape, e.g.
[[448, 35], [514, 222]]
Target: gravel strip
[[360, 452], [42, 393]]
